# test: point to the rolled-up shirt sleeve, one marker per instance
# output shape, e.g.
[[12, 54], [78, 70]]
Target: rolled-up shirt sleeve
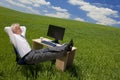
[[10, 34], [23, 28]]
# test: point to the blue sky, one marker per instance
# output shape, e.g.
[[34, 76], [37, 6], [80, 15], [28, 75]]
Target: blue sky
[[105, 12]]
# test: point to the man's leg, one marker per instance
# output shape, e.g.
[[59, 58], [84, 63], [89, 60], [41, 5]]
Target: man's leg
[[36, 56]]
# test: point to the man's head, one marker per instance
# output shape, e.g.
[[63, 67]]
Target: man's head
[[16, 28]]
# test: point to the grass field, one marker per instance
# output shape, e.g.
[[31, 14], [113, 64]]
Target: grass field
[[97, 56]]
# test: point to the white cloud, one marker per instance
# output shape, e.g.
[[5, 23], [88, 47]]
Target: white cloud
[[35, 3], [32, 10], [24, 7], [59, 9], [15, 3], [100, 14], [29, 6], [75, 2], [59, 15], [25, 1], [79, 19], [38, 7]]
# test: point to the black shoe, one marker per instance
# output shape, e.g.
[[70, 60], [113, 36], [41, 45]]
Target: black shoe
[[70, 45], [71, 42]]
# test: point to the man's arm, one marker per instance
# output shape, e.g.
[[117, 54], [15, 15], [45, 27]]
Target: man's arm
[[23, 30], [10, 34]]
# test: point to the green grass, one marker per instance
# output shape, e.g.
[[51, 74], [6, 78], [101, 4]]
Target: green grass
[[97, 56]]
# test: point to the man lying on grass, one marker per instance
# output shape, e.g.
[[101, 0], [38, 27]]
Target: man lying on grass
[[30, 56]]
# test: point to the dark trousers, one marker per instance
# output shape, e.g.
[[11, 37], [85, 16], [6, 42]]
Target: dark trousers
[[50, 53]]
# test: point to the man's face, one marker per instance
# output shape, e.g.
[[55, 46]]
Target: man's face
[[17, 30]]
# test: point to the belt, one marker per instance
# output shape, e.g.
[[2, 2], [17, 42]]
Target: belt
[[21, 61]]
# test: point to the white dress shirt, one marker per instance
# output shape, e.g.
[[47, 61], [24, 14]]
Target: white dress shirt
[[18, 41]]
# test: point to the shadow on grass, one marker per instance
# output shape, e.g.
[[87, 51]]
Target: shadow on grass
[[2, 75], [75, 71], [31, 71]]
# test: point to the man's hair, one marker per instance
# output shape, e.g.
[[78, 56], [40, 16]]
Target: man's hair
[[14, 25]]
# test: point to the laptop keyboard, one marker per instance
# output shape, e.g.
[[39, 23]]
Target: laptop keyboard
[[49, 43]]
